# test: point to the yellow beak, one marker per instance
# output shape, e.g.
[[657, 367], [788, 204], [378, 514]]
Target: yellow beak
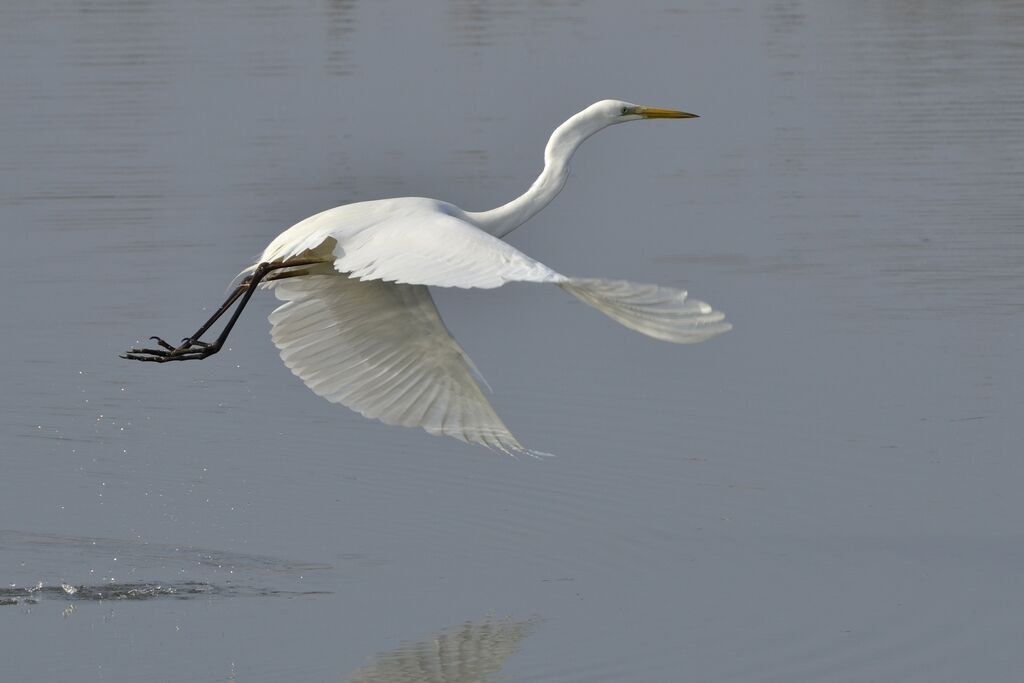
[[654, 113]]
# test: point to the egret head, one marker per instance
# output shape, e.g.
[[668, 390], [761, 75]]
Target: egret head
[[617, 111]]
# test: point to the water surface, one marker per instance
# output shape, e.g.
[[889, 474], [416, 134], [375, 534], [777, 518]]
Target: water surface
[[830, 492]]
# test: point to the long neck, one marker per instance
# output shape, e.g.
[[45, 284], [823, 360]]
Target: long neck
[[563, 142]]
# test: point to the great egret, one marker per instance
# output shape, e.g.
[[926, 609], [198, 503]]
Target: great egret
[[359, 327]]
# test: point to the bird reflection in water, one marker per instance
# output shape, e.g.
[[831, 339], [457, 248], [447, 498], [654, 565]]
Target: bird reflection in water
[[472, 653]]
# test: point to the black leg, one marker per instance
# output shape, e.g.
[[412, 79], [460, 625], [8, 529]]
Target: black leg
[[191, 348]]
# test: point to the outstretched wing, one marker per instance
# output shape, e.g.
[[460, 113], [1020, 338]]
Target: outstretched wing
[[660, 312], [382, 350], [429, 247]]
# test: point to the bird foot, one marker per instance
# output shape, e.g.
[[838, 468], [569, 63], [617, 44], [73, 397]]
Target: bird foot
[[189, 349]]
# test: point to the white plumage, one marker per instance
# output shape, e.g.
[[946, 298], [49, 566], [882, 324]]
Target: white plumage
[[359, 327], [381, 349]]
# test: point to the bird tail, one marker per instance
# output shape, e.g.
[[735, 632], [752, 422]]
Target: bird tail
[[660, 312]]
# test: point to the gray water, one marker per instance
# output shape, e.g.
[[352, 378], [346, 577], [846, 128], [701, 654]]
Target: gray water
[[830, 492]]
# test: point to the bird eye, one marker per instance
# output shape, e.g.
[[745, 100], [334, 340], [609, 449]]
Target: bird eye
[[625, 110]]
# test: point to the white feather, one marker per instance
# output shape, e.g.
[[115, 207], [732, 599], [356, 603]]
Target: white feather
[[382, 350], [660, 312]]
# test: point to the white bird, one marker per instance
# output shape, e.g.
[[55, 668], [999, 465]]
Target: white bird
[[359, 327]]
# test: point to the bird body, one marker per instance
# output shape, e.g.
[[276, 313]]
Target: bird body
[[358, 324], [412, 240]]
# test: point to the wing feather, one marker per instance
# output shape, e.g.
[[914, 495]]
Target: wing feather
[[657, 311], [437, 249], [381, 349]]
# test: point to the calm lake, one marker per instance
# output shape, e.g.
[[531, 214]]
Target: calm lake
[[830, 492]]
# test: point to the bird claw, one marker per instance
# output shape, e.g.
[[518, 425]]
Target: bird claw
[[162, 343]]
